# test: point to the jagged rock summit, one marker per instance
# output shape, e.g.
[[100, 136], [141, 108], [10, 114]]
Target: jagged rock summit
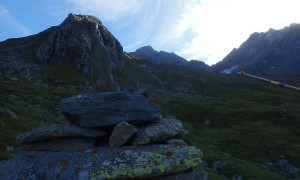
[[80, 43], [86, 43]]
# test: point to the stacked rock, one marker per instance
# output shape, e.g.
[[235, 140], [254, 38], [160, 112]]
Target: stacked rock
[[114, 118], [111, 135]]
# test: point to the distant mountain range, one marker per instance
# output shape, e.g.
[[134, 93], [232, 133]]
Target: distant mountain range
[[275, 52], [162, 57]]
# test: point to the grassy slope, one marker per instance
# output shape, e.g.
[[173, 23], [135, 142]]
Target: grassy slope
[[37, 104], [244, 113]]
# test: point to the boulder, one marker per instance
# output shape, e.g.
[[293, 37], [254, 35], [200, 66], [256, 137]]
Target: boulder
[[76, 144], [109, 108], [121, 133], [164, 129], [102, 163], [58, 131], [218, 165]]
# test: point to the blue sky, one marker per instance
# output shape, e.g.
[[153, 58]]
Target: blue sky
[[194, 29]]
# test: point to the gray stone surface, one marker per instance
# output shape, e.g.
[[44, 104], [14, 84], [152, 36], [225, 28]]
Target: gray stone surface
[[121, 133], [176, 142], [164, 129], [102, 163], [109, 108], [75, 144], [58, 131]]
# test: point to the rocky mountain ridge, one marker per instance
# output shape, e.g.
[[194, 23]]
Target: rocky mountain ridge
[[80, 41], [163, 57], [275, 52]]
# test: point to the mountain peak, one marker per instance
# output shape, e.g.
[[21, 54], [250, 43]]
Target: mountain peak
[[271, 52], [74, 19]]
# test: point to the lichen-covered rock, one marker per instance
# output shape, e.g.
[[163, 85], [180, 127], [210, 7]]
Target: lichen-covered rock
[[285, 168], [102, 163], [109, 108], [58, 131], [74, 144], [88, 45], [164, 129], [121, 133]]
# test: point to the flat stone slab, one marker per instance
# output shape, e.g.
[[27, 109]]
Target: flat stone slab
[[164, 129], [61, 145], [102, 163], [109, 108], [58, 131]]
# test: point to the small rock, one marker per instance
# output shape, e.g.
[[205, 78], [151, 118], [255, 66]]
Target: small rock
[[218, 165], [236, 177], [267, 165], [58, 131], [207, 123], [10, 148], [165, 128], [284, 113], [12, 114], [121, 133], [12, 98], [176, 142], [13, 79]]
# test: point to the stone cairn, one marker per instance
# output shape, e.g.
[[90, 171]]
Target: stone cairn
[[110, 135]]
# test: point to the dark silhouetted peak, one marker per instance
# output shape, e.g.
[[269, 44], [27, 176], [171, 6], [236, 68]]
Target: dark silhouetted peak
[[162, 57], [196, 64], [271, 52]]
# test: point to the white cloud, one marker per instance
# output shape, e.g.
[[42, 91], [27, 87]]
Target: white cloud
[[8, 23], [194, 29], [220, 25]]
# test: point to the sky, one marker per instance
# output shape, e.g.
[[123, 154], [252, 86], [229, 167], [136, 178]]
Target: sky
[[204, 30]]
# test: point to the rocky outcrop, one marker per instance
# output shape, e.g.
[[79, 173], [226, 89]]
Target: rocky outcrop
[[102, 163], [84, 42], [164, 129], [110, 108]]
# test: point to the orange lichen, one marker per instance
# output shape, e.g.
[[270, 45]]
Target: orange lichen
[[49, 136], [63, 164], [169, 153], [96, 150]]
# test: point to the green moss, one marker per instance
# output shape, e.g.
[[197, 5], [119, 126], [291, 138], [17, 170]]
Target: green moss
[[64, 72]]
